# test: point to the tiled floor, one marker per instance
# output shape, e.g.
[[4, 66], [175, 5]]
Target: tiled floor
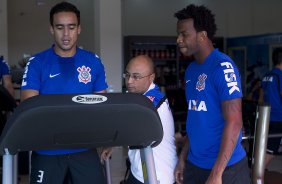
[[273, 172], [273, 175]]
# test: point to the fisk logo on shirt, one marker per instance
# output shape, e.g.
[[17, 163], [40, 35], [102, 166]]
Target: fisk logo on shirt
[[84, 74], [201, 82], [196, 105], [230, 77]]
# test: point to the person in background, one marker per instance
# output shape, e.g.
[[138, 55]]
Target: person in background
[[6, 82], [65, 69], [271, 93], [6, 78], [213, 94], [139, 78], [249, 108], [253, 95]]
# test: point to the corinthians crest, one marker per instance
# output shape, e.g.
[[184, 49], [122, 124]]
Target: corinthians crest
[[201, 82], [84, 74]]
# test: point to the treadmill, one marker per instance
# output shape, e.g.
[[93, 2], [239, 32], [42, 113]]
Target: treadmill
[[82, 121]]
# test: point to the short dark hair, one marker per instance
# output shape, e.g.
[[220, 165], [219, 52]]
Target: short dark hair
[[64, 7], [203, 18], [277, 56]]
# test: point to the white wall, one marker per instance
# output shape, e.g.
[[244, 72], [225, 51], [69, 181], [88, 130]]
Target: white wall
[[233, 17], [28, 27], [150, 17], [3, 29], [86, 38], [28, 24], [108, 40]]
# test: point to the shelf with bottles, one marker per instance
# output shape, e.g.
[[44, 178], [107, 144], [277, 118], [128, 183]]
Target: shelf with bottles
[[156, 52], [159, 54], [159, 48]]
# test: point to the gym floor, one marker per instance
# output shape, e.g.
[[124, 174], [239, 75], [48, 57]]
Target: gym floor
[[273, 173]]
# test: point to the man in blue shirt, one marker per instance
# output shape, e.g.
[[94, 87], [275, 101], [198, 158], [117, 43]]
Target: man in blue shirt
[[213, 94], [5, 76], [271, 93], [6, 82], [65, 69]]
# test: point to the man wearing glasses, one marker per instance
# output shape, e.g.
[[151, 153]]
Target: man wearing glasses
[[139, 78]]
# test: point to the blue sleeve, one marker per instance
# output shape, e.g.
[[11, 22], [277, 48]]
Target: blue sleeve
[[31, 77], [100, 81], [5, 69], [227, 81], [280, 78]]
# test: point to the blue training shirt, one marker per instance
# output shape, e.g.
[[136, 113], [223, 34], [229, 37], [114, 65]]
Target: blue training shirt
[[4, 68], [207, 86], [272, 89], [49, 73]]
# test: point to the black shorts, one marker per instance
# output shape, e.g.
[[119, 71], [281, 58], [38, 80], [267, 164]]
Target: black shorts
[[235, 174], [274, 143], [83, 167]]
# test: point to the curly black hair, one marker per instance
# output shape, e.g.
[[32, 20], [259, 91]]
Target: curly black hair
[[203, 18], [277, 56], [64, 7]]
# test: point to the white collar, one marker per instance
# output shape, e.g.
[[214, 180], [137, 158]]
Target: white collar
[[152, 86]]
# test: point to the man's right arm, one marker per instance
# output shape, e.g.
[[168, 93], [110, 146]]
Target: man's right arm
[[180, 166], [7, 81], [25, 94], [261, 100], [31, 79]]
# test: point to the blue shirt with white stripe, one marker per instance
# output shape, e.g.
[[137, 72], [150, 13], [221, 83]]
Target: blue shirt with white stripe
[[50, 73]]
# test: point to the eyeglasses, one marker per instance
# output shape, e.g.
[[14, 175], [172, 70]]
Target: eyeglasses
[[134, 76]]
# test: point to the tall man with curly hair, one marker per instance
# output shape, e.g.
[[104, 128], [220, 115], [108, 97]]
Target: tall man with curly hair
[[213, 93]]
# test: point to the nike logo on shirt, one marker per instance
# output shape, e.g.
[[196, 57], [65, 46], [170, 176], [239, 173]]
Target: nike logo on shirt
[[51, 76], [188, 81]]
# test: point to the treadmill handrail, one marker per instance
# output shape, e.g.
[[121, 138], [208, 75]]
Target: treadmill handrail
[[47, 122]]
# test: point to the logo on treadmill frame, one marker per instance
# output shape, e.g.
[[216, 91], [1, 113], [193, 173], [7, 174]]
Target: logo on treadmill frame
[[89, 99]]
